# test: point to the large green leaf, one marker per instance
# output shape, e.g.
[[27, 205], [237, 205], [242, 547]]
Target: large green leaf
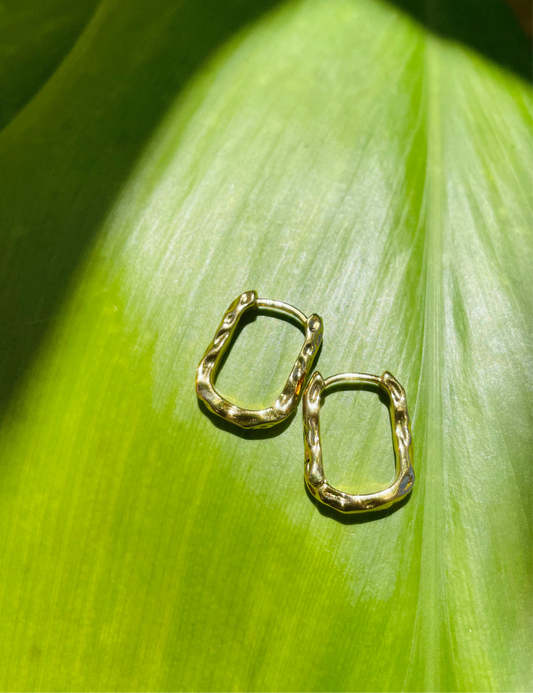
[[366, 161]]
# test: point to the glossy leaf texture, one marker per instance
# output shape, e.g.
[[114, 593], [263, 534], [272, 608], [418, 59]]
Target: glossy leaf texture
[[366, 161]]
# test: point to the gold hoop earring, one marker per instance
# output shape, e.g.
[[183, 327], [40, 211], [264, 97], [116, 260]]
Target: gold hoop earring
[[288, 400], [401, 435]]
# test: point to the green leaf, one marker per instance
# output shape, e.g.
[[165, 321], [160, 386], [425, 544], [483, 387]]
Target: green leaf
[[366, 161]]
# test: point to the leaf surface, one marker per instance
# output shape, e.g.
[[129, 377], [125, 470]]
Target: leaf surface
[[351, 159]]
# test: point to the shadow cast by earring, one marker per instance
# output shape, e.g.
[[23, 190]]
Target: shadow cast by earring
[[356, 518]]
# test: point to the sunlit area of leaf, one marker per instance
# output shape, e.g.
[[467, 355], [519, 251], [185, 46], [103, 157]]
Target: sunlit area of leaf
[[261, 357], [356, 441]]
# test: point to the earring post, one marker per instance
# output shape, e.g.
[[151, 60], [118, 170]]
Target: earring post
[[282, 308], [363, 378]]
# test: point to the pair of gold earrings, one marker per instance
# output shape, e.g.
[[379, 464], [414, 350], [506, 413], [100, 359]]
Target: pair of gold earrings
[[312, 400]]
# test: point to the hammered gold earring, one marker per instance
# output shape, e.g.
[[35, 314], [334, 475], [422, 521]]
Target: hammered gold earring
[[288, 400], [401, 435]]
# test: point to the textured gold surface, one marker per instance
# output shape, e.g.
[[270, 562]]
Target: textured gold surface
[[288, 400], [401, 436]]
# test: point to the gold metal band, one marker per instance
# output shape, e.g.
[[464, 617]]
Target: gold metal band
[[288, 400], [401, 435]]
